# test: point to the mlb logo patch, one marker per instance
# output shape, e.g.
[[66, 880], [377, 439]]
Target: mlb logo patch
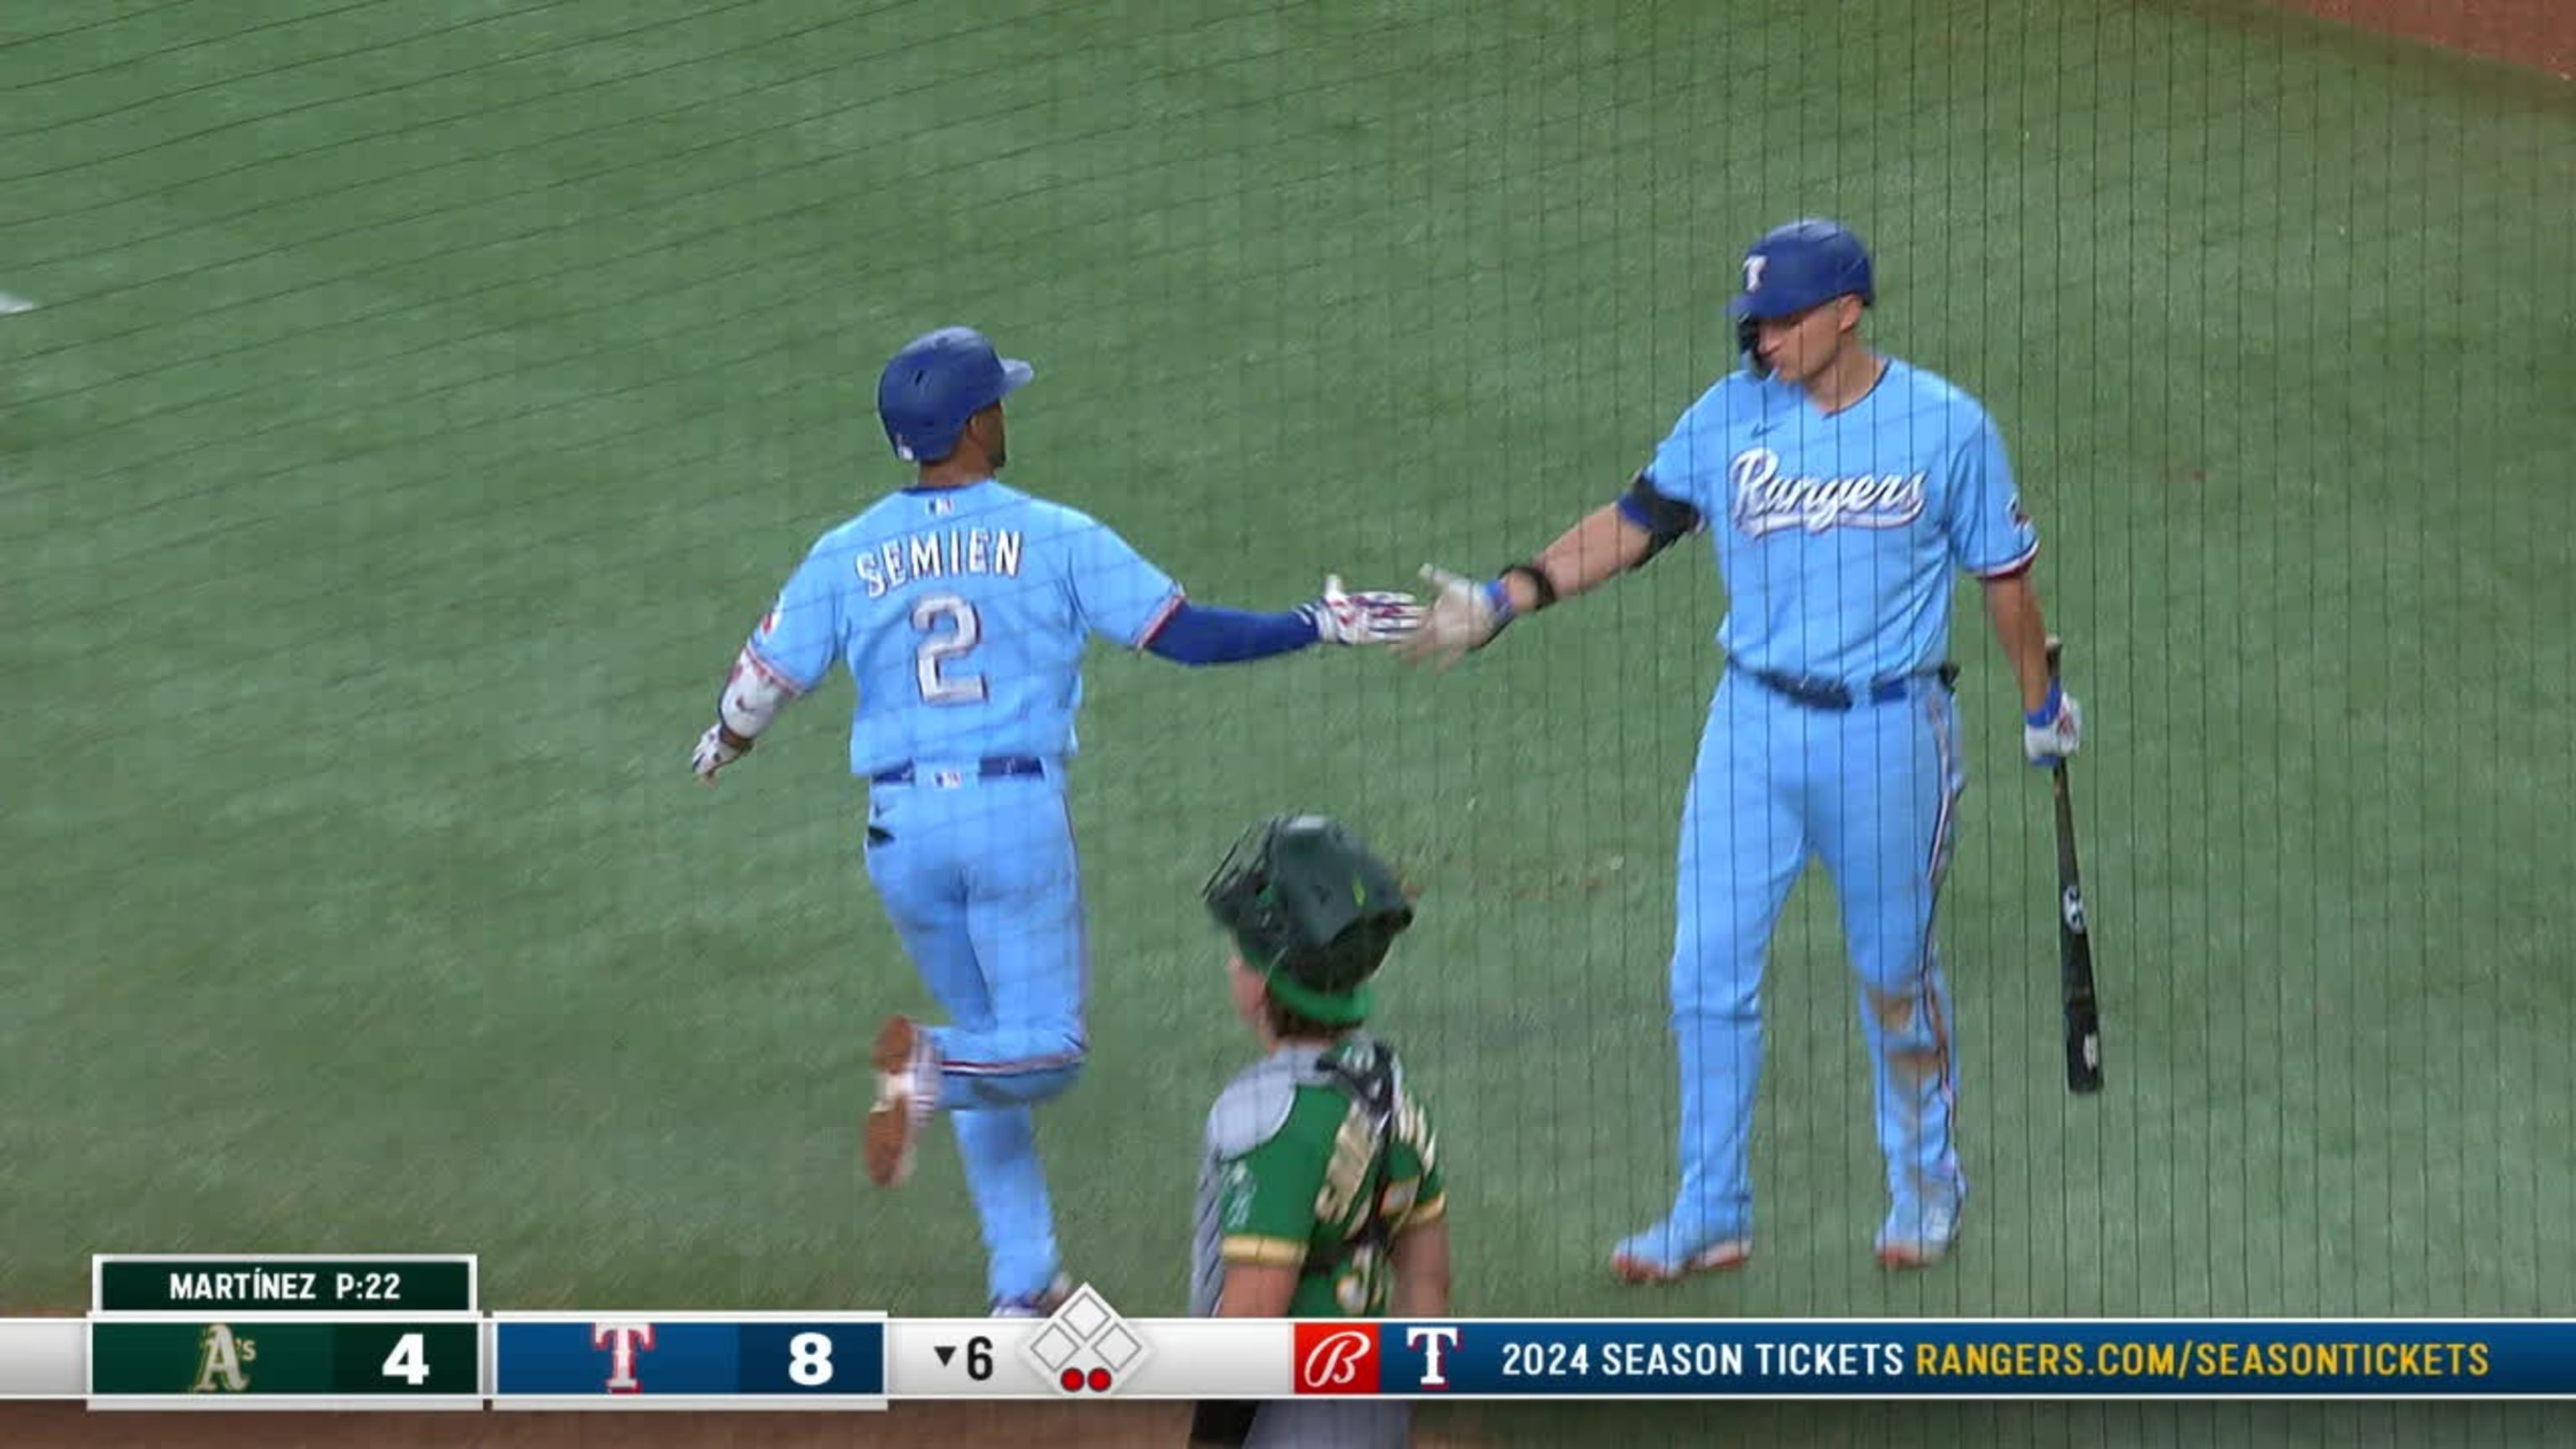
[[947, 779], [942, 507]]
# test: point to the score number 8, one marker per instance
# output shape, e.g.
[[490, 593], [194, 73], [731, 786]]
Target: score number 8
[[809, 1360]]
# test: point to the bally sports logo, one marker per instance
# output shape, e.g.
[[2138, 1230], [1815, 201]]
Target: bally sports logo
[[1346, 1358], [1337, 1358]]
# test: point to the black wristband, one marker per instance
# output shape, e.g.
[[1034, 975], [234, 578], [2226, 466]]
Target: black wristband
[[1540, 584]]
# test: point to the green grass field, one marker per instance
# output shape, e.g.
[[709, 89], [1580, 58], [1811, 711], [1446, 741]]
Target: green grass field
[[422, 399]]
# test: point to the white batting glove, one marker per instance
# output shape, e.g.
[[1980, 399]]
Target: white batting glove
[[1464, 617], [717, 748], [2053, 731], [1368, 617]]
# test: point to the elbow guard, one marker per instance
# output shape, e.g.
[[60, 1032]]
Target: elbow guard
[[753, 695], [1665, 520]]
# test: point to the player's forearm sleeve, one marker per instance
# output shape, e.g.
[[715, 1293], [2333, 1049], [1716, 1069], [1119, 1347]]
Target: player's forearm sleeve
[[1197, 634], [1665, 520], [754, 694]]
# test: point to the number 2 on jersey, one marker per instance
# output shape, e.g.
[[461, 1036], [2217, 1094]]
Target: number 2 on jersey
[[938, 647]]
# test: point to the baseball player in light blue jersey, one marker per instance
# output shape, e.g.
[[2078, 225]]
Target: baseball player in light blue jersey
[[961, 608], [1842, 488]]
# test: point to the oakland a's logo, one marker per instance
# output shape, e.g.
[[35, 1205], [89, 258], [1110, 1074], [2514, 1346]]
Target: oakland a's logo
[[220, 1356]]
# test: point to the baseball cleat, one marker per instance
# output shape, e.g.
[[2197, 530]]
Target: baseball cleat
[[1662, 1255], [1917, 1236], [1036, 1305], [907, 1088]]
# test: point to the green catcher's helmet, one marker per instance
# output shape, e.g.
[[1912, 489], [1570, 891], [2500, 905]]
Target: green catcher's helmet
[[1311, 910]]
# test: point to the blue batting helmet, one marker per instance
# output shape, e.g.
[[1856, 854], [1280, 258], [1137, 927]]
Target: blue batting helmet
[[938, 381], [1797, 266]]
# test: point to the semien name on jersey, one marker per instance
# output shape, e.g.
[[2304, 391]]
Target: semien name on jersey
[[944, 554]]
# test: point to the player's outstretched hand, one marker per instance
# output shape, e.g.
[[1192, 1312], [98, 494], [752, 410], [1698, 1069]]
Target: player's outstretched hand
[[713, 753], [1462, 618], [1368, 617], [2053, 731]]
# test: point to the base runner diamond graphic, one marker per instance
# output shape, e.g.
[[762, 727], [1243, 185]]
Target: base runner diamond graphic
[[1085, 1348]]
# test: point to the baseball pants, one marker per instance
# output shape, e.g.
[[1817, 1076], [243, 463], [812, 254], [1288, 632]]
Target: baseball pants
[[1872, 792], [982, 883]]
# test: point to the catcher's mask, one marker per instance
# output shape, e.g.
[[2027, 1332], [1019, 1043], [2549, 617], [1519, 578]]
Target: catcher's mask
[[1312, 911]]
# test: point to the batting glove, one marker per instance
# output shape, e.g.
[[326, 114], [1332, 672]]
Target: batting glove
[[1368, 617], [717, 748], [2053, 731], [1464, 617]]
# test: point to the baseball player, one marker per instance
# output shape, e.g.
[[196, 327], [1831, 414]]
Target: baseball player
[[1841, 486], [1320, 1191], [961, 608]]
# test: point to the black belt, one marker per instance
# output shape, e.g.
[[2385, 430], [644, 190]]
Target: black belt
[[991, 767], [1834, 695]]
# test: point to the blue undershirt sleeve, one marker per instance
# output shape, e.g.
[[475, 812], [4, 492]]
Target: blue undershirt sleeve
[[1197, 634]]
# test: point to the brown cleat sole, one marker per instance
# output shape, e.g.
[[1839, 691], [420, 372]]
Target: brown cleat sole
[[1909, 1257], [1723, 1258], [894, 1119]]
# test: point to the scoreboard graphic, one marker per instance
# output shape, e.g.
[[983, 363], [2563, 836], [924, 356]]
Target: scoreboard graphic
[[406, 1333], [283, 1332], [688, 1360]]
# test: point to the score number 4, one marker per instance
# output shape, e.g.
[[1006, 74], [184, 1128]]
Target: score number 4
[[409, 1361]]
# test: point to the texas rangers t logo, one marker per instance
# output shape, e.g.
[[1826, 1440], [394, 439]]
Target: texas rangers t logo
[[1434, 1343], [1753, 266], [623, 1341]]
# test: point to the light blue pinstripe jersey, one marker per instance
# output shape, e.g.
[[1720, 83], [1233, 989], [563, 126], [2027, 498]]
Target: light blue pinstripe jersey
[[1836, 536], [962, 615]]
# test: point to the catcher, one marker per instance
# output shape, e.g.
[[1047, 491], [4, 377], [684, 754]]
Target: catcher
[[1320, 1192]]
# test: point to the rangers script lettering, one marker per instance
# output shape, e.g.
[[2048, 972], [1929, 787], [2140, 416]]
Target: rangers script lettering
[[1335, 1358], [1766, 503]]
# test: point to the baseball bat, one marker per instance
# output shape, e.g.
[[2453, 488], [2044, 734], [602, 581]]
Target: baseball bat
[[2074, 935]]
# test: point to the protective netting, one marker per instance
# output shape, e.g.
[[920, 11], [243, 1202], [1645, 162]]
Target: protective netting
[[412, 403]]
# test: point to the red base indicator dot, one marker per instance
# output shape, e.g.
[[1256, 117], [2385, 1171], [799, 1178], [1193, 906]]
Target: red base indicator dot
[[1100, 1381], [1073, 1381]]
